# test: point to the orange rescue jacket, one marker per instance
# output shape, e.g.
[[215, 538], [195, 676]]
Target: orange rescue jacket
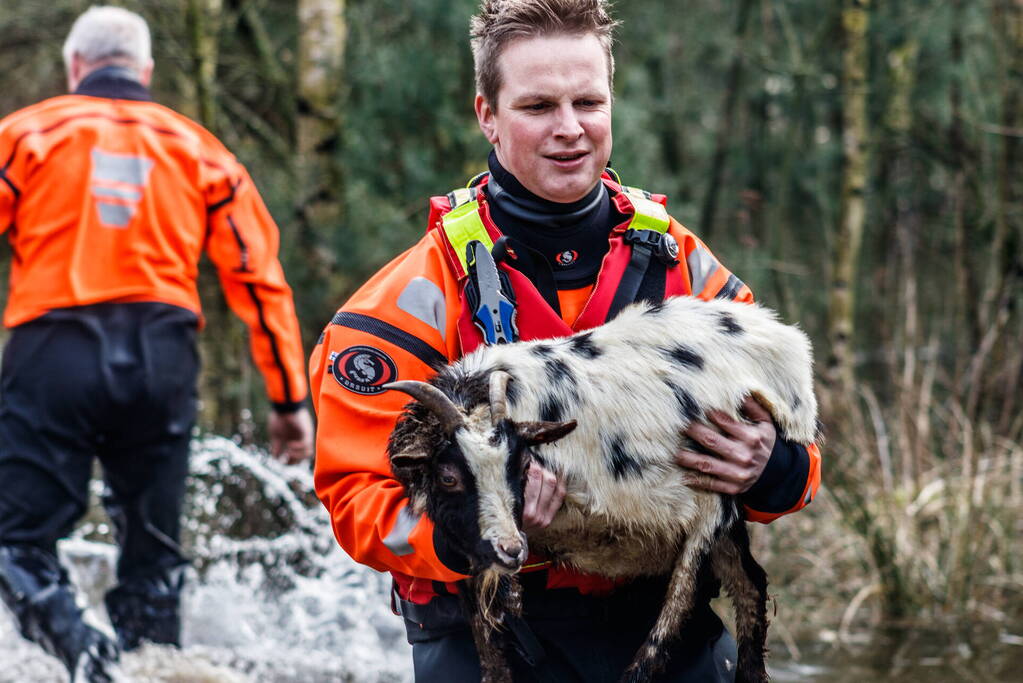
[[411, 317], [114, 200]]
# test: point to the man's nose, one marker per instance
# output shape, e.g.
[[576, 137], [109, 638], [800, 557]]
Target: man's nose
[[567, 124]]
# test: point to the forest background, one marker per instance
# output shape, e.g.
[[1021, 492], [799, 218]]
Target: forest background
[[858, 163]]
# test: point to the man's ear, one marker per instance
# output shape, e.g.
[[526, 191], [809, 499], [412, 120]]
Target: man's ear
[[485, 116], [75, 71], [146, 74]]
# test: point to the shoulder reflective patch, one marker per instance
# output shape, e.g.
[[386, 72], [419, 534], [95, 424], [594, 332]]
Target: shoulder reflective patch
[[398, 540], [362, 369], [422, 299], [701, 266]]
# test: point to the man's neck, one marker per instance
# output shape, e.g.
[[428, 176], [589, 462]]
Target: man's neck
[[513, 197], [115, 82]]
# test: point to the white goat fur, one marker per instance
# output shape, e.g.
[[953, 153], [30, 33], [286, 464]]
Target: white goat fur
[[635, 524]]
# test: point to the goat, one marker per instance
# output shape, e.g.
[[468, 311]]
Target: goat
[[462, 447]]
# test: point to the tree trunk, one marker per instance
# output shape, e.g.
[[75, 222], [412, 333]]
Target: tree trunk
[[227, 374], [320, 174], [203, 18], [840, 371]]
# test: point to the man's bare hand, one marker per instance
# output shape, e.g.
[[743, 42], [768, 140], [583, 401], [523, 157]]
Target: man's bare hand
[[545, 492], [291, 436], [740, 449]]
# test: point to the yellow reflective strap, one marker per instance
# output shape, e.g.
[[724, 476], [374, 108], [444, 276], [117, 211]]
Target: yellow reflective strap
[[650, 215], [463, 225]]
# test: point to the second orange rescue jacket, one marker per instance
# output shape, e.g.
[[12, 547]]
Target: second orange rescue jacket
[[114, 200]]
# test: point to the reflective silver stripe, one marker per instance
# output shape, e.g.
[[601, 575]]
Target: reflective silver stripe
[[702, 265], [423, 300], [117, 215], [123, 169], [398, 540], [809, 497], [117, 193], [120, 168]]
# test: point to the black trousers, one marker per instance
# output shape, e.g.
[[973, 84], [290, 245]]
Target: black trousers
[[571, 638], [115, 382]]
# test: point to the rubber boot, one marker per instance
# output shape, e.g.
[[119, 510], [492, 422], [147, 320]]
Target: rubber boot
[[36, 589], [148, 609]]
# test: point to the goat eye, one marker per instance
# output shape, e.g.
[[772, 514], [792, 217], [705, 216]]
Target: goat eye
[[448, 481]]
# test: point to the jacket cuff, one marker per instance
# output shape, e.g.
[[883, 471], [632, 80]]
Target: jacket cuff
[[286, 407], [783, 480]]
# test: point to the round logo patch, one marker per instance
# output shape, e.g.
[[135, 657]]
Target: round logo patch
[[567, 257], [362, 369]]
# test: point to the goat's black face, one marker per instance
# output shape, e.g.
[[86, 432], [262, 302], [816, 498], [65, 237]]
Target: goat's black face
[[477, 514], [452, 504], [471, 482]]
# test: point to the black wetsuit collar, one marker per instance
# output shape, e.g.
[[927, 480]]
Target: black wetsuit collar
[[506, 190], [114, 82]]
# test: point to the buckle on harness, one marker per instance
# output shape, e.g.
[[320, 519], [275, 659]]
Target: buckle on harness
[[490, 296], [662, 244]]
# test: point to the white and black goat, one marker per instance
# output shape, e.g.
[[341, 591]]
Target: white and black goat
[[605, 409]]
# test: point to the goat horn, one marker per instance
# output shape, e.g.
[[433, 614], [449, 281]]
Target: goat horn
[[499, 395], [451, 417]]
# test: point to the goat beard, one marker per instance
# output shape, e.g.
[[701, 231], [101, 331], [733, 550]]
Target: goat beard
[[496, 594]]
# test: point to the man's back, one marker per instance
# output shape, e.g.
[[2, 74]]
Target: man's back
[[107, 199]]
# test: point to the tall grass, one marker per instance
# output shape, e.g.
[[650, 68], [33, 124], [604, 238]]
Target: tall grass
[[925, 467]]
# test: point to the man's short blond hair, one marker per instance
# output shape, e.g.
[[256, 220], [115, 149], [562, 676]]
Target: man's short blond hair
[[106, 33], [500, 22]]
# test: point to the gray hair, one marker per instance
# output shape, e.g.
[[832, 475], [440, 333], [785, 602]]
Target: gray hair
[[104, 32]]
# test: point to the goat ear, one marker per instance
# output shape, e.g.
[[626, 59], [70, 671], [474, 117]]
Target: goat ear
[[543, 432], [409, 459]]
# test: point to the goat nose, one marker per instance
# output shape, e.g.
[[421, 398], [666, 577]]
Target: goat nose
[[510, 548]]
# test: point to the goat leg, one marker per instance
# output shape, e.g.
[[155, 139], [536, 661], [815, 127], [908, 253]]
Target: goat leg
[[746, 583], [676, 611]]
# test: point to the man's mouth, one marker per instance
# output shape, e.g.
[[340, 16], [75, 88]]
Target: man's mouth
[[566, 156]]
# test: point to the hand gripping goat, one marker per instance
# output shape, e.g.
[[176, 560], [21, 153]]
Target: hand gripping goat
[[632, 386]]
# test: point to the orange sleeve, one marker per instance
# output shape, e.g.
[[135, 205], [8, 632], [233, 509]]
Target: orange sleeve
[[400, 324], [9, 187], [242, 241], [709, 279]]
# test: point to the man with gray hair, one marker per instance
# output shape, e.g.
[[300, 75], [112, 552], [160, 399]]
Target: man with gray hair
[[109, 200]]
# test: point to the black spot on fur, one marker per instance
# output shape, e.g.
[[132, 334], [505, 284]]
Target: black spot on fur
[[558, 371], [685, 356], [729, 325], [583, 345], [687, 405], [552, 409], [619, 461], [543, 350], [654, 309]]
